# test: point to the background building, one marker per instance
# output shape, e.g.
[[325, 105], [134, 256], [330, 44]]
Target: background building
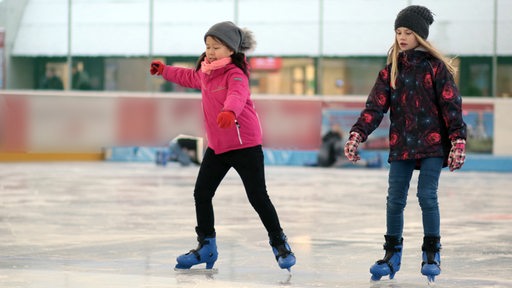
[[305, 47]]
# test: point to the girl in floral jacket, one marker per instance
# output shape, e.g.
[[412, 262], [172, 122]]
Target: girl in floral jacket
[[427, 132]]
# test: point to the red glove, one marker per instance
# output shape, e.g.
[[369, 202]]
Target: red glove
[[157, 67], [457, 154], [226, 119], [351, 147]]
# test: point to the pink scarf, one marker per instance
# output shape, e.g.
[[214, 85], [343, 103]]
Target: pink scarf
[[208, 67]]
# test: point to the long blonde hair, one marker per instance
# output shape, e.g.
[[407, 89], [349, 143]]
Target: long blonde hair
[[395, 50]]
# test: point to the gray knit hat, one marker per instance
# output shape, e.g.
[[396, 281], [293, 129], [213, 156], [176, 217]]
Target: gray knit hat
[[417, 18], [237, 39]]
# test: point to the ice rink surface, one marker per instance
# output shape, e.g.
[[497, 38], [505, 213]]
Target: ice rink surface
[[123, 224]]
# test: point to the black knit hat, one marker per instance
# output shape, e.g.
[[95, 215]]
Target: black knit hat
[[238, 39], [417, 18]]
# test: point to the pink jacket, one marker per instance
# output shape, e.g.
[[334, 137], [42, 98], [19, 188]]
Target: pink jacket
[[225, 88]]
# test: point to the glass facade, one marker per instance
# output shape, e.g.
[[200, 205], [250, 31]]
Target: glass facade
[[504, 77], [273, 75]]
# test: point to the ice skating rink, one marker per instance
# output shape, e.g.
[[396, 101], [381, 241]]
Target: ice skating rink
[[123, 224]]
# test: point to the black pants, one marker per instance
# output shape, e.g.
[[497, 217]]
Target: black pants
[[248, 163]]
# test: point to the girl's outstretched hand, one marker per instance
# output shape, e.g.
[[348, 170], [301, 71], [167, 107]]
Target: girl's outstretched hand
[[157, 67], [351, 147]]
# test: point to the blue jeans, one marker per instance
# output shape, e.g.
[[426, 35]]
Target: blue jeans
[[400, 174]]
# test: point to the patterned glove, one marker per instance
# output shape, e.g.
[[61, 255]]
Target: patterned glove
[[457, 154], [157, 67], [226, 119], [351, 147]]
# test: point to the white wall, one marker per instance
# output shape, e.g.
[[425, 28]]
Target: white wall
[[284, 27], [502, 144], [63, 121]]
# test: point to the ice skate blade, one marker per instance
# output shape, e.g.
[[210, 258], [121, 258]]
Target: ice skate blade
[[384, 282], [431, 280], [197, 271], [379, 278]]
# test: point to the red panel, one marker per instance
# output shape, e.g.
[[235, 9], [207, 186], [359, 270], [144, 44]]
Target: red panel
[[265, 63], [137, 123], [290, 124], [13, 123]]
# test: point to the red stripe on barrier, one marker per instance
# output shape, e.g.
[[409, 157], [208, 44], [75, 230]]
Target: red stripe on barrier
[[137, 119], [13, 123]]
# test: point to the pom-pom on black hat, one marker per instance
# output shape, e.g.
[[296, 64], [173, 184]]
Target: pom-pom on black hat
[[238, 39], [417, 18]]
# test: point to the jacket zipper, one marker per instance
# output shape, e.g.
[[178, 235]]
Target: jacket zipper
[[238, 131]]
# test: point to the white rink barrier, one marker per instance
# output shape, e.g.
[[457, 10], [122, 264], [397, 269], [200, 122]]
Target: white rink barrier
[[87, 122]]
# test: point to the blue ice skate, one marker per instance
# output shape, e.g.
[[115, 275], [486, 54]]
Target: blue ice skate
[[431, 264], [391, 262], [206, 252], [282, 251]]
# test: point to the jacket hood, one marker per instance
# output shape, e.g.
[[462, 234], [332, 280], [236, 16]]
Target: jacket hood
[[414, 56]]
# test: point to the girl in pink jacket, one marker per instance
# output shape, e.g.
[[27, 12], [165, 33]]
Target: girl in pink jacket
[[234, 138]]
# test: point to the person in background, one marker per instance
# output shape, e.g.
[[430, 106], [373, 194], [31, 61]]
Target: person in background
[[51, 81], [234, 138], [184, 149], [332, 147], [80, 78], [331, 152], [427, 133]]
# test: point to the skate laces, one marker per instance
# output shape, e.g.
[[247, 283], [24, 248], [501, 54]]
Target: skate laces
[[199, 247], [389, 254], [431, 258], [194, 251], [390, 265], [283, 251]]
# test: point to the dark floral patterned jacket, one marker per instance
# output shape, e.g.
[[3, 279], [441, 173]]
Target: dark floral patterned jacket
[[426, 108]]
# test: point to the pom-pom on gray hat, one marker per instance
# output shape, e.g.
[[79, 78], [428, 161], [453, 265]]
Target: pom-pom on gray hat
[[236, 38], [417, 18]]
